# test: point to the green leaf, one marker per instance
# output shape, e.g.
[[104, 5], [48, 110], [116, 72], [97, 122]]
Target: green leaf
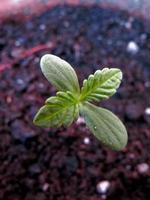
[[59, 73], [59, 110], [101, 85], [106, 126]]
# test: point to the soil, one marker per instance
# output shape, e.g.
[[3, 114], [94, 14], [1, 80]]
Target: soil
[[56, 164]]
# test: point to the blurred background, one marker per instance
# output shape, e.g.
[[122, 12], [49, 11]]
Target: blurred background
[[71, 164]]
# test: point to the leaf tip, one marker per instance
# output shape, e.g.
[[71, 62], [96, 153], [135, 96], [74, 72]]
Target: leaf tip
[[35, 120], [44, 60], [122, 145]]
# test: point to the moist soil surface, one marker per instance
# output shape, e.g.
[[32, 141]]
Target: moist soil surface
[[57, 164]]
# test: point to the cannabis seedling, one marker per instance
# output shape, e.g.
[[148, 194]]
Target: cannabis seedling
[[70, 101]]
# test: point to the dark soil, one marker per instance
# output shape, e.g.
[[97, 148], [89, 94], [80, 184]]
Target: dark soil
[[49, 164]]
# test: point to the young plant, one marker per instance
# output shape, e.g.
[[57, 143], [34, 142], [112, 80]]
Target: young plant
[[71, 101]]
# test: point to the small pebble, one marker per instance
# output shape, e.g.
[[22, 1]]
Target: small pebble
[[128, 25], [103, 186], [147, 115], [143, 36], [143, 168], [66, 24], [16, 52], [34, 169], [45, 187], [128, 167], [17, 43], [36, 60], [20, 84], [132, 47], [20, 81], [86, 140], [147, 84], [134, 111], [20, 41], [131, 155], [147, 111], [42, 27], [41, 85], [8, 99], [103, 196], [80, 120]]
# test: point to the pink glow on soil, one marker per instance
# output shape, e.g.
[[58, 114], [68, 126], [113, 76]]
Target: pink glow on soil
[[16, 7]]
